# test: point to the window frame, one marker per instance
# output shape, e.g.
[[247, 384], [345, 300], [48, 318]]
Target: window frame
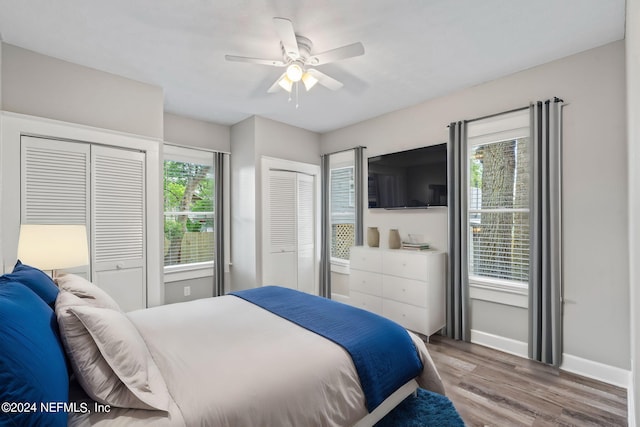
[[508, 126], [179, 272], [341, 265]]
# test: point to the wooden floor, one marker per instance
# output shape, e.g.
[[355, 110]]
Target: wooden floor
[[491, 388]]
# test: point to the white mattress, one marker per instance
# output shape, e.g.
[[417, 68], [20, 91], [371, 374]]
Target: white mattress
[[227, 362]]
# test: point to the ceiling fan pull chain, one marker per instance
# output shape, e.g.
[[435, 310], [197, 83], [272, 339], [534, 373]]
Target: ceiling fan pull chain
[[297, 96]]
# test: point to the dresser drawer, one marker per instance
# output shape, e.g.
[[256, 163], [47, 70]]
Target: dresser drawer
[[365, 282], [404, 290], [366, 259], [409, 316], [366, 302], [406, 264]]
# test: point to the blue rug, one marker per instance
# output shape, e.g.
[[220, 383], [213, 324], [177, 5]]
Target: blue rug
[[425, 410]]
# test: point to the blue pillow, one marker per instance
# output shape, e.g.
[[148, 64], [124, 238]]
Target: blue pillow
[[34, 279], [32, 361]]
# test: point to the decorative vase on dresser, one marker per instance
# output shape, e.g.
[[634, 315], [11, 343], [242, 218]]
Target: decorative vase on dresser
[[394, 239], [373, 237], [407, 287]]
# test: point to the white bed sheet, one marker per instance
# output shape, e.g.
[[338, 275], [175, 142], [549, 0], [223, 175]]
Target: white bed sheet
[[227, 362]]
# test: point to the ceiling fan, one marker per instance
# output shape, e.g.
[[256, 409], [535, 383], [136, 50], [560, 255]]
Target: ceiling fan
[[298, 59]]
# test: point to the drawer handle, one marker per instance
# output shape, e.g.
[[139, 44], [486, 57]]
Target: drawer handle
[[404, 290]]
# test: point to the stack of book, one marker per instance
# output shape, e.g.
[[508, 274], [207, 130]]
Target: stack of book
[[415, 246]]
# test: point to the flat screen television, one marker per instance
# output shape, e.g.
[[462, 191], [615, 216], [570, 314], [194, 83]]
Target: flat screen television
[[409, 179]]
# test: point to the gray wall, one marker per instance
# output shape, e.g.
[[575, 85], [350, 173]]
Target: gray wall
[[43, 86], [633, 142], [250, 140], [243, 205], [514, 328], [596, 264], [195, 133], [1, 49], [200, 288]]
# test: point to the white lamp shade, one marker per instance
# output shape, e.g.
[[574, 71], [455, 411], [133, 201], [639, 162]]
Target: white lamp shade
[[53, 247], [285, 83], [309, 81]]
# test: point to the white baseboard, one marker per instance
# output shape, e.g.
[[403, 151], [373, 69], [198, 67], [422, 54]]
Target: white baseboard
[[596, 370], [497, 342], [605, 373], [577, 365], [631, 404]]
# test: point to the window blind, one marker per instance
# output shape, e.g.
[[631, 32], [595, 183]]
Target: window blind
[[499, 209], [189, 209]]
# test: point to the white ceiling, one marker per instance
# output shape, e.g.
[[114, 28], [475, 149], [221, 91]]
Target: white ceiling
[[415, 50]]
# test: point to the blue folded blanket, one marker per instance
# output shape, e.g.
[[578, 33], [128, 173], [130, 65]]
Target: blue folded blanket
[[382, 351]]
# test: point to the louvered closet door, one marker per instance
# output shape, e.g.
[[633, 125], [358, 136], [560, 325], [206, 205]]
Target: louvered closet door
[[118, 219], [54, 181], [306, 232], [280, 266]]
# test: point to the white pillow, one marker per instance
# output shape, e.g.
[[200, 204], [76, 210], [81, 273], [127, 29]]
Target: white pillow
[[82, 288], [108, 355]]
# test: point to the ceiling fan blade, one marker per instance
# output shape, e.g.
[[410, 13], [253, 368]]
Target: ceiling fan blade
[[325, 80], [284, 28], [276, 86], [272, 62], [344, 52]]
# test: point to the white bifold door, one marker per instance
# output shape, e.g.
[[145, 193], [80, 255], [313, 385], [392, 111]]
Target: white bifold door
[[65, 182], [290, 221]]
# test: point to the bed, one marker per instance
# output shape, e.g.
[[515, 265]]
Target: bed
[[224, 361]]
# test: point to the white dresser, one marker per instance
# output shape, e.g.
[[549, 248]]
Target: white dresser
[[405, 286]]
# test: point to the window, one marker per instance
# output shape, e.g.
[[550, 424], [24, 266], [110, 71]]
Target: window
[[342, 199], [188, 208], [498, 206]]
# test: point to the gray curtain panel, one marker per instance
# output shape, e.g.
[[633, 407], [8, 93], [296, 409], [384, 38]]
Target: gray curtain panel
[[358, 154], [545, 289], [325, 228], [218, 284], [458, 275]]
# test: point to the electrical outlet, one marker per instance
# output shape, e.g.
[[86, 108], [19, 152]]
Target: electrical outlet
[[187, 291]]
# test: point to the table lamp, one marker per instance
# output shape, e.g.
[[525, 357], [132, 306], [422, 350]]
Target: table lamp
[[53, 246]]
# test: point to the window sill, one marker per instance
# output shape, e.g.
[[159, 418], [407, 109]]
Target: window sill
[[499, 291], [340, 266], [176, 273]]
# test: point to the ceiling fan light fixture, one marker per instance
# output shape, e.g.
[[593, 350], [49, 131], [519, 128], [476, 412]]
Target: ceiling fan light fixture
[[309, 81], [285, 83], [294, 72]]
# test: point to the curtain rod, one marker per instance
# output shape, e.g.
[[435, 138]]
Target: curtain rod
[[498, 114], [342, 151], [555, 99], [191, 147]]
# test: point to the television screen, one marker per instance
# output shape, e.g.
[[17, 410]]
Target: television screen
[[409, 179]]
